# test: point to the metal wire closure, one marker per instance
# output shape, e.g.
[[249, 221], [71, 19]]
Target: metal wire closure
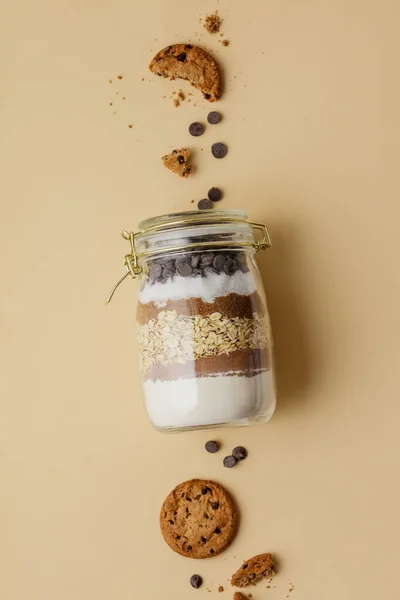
[[131, 260]]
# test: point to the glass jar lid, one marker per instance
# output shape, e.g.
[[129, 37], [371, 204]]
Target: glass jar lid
[[184, 231]]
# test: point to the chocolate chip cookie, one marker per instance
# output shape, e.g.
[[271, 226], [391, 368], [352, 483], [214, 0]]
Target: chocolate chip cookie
[[178, 162], [192, 63], [198, 519], [253, 570]]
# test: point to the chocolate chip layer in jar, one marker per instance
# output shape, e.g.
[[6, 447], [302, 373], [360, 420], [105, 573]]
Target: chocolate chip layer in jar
[[203, 334]]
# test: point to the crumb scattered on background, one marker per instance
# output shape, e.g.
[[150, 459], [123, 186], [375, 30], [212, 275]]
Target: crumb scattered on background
[[110, 81], [181, 95], [212, 23], [176, 102], [130, 126], [225, 42], [110, 103], [172, 78], [192, 201], [221, 588], [119, 77], [142, 78]]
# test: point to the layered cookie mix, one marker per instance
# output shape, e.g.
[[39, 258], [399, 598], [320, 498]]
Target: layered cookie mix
[[204, 340]]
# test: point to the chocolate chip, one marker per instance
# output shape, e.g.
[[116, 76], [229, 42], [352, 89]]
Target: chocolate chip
[[196, 581], [168, 272], [196, 129], [215, 505], [194, 261], [184, 269], [206, 259], [230, 267], [214, 194], [219, 262], [207, 96], [177, 537], [204, 540], [214, 117], [217, 530], [171, 522], [188, 47], [204, 490], [204, 204], [239, 453], [229, 462], [245, 566], [181, 56], [155, 271], [197, 273], [188, 499], [181, 159], [206, 516], [189, 548], [212, 446], [212, 551], [219, 150]]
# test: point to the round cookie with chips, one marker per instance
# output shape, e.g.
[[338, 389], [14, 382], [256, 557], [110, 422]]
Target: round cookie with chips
[[198, 519]]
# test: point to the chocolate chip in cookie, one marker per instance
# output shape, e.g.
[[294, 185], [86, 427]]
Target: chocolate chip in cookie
[[192, 63], [198, 519], [177, 162]]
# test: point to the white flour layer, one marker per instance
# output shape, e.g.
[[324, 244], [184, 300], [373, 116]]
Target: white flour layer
[[209, 400], [207, 288]]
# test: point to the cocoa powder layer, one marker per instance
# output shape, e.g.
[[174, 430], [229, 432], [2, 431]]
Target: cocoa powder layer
[[231, 305], [246, 363]]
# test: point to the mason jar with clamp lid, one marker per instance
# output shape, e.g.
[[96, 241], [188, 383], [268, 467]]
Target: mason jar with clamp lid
[[203, 331]]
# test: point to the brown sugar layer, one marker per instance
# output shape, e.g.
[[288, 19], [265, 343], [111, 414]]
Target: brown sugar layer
[[253, 570], [231, 305], [244, 363]]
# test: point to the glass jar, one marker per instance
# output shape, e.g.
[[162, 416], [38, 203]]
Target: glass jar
[[203, 331]]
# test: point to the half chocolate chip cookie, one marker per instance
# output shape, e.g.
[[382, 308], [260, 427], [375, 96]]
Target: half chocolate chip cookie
[[185, 61]]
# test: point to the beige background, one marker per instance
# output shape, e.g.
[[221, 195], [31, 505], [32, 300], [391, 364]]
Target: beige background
[[311, 119]]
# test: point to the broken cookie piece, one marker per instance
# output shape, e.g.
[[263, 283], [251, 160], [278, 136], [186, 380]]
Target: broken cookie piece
[[239, 596], [192, 63], [253, 570], [177, 162]]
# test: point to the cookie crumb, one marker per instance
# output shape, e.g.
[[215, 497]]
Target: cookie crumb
[[130, 126], [123, 97], [225, 42], [110, 81], [176, 102], [119, 77], [181, 95], [110, 103], [142, 78], [212, 23], [221, 588], [172, 78]]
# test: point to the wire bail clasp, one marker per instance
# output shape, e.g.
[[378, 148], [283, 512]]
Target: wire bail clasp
[[265, 241], [130, 262]]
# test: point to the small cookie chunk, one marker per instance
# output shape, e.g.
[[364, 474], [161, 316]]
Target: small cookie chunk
[[239, 596], [198, 519], [177, 162], [192, 63], [253, 570]]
